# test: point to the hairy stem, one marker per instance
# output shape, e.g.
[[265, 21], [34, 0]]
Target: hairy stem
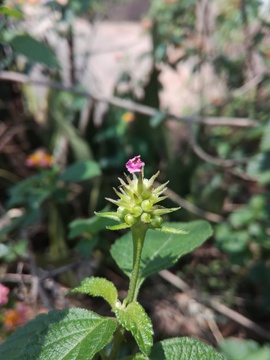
[[138, 235]]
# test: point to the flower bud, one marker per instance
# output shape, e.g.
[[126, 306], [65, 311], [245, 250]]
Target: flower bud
[[137, 211], [138, 200], [129, 219], [146, 218], [122, 211], [146, 194], [156, 221], [147, 205]]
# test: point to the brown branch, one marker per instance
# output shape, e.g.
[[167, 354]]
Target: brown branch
[[209, 158], [129, 105], [191, 207], [248, 39], [215, 305]]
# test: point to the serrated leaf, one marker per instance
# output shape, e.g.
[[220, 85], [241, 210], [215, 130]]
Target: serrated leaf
[[60, 335], [134, 319], [118, 227], [80, 171], [34, 50], [160, 250], [184, 349], [96, 286], [109, 215]]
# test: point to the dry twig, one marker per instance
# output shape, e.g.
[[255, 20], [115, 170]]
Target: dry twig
[[215, 305], [127, 104], [191, 207]]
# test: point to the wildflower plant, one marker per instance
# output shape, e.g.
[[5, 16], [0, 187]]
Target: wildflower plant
[[149, 247], [138, 203]]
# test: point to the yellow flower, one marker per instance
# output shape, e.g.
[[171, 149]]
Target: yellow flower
[[40, 158], [128, 117], [16, 317]]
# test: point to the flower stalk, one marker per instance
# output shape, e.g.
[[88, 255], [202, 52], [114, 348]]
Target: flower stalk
[[138, 209], [138, 236]]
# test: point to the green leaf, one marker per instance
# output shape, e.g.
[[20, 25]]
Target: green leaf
[[134, 318], [160, 250], [89, 226], [34, 50], [139, 357], [118, 227], [157, 119], [236, 349], [113, 215], [28, 218], [79, 146], [96, 286], [184, 349], [11, 12], [170, 230], [11, 251], [258, 167], [265, 143], [85, 247], [80, 171], [65, 334], [241, 217]]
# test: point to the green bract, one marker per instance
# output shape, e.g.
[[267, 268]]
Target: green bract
[[138, 203]]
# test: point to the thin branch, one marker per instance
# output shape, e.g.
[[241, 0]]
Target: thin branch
[[209, 158], [149, 111], [239, 318], [16, 278], [129, 105], [215, 305], [37, 286], [191, 207], [60, 270]]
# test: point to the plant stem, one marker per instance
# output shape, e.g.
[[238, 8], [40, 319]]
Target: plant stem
[[118, 338], [138, 235]]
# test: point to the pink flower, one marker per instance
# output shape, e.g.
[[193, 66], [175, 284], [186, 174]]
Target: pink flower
[[134, 165], [4, 291]]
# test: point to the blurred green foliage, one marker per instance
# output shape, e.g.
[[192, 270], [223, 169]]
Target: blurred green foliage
[[232, 37], [235, 349]]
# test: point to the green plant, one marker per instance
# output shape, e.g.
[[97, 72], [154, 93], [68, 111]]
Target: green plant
[[236, 349], [40, 197], [82, 334]]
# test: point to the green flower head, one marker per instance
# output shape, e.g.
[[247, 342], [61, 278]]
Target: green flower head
[[138, 200]]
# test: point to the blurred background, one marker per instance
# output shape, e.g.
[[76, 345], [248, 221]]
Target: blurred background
[[84, 86]]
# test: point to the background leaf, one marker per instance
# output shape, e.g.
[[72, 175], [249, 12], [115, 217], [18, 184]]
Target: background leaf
[[80, 171], [96, 286], [134, 319], [90, 226], [236, 349], [184, 349], [11, 12], [34, 50], [265, 143], [65, 334], [160, 250]]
